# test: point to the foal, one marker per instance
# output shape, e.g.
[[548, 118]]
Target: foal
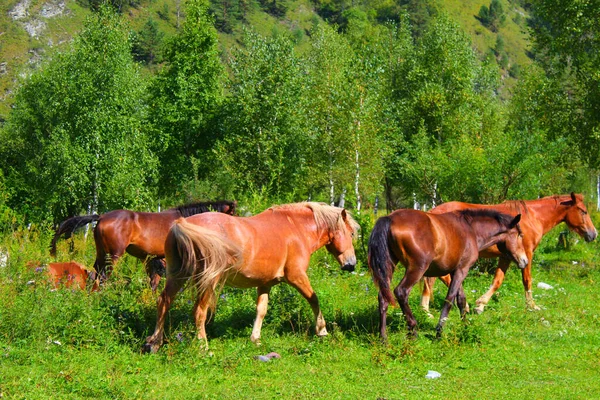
[[435, 245]]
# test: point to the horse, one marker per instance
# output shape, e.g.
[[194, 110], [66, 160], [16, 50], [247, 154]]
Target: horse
[[434, 245], [538, 218], [259, 251], [141, 234]]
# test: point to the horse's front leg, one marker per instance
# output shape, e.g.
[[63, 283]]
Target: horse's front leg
[[300, 281], [163, 304], [481, 302], [453, 291], [402, 291], [262, 302], [526, 276]]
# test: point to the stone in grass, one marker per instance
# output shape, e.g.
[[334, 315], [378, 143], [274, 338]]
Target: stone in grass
[[432, 374], [545, 286], [267, 357]]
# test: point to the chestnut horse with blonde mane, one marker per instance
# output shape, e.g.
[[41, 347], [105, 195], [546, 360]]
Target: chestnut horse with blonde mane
[[260, 251], [435, 245], [538, 218], [141, 234]]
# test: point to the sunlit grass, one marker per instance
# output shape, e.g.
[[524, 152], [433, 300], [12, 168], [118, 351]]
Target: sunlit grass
[[73, 344]]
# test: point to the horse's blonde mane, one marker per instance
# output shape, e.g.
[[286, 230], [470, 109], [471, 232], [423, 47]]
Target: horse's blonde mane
[[326, 217]]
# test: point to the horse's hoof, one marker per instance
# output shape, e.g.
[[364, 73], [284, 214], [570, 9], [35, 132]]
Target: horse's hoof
[[533, 307], [150, 347], [323, 332], [479, 309], [255, 340]]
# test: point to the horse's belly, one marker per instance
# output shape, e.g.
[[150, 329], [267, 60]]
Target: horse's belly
[[435, 270], [242, 281]]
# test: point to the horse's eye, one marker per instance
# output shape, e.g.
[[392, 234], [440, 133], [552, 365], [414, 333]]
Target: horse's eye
[[583, 212]]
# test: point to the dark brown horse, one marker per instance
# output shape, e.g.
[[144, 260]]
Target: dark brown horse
[[260, 251], [538, 218], [435, 245], [141, 234]]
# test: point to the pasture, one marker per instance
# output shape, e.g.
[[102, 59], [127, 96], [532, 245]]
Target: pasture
[[71, 344]]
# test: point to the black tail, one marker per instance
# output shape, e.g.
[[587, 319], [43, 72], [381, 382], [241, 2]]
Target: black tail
[[380, 262], [69, 226]]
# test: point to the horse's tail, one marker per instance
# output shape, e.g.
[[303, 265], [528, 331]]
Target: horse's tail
[[201, 253], [69, 226], [380, 263]]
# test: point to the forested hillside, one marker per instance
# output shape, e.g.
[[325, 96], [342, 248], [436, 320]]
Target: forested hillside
[[141, 104]]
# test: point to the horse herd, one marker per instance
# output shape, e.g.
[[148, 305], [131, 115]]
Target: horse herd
[[213, 249]]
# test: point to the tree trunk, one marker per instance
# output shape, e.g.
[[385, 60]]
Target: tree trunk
[[416, 204], [356, 179], [331, 186], [376, 207], [598, 193], [342, 199]]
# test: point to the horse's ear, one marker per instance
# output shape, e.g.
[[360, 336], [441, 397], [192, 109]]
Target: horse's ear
[[515, 221], [344, 214], [574, 197]]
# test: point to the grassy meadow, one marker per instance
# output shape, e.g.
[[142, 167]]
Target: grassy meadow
[[71, 344]]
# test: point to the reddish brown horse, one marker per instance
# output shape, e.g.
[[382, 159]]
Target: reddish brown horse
[[258, 251], [141, 234], [539, 217], [435, 245]]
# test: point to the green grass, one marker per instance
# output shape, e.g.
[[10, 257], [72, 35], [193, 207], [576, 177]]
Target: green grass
[[70, 344]]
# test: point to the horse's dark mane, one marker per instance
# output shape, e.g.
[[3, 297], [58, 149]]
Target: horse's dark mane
[[190, 209], [501, 218]]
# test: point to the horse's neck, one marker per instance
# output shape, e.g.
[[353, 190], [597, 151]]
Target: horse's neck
[[307, 229], [548, 212], [485, 232]]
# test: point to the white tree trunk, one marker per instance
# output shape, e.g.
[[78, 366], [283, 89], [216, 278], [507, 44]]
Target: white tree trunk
[[416, 204], [598, 193], [342, 199], [356, 179]]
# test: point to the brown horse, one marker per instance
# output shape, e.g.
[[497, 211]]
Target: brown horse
[[141, 234], [539, 217], [258, 251], [435, 245]]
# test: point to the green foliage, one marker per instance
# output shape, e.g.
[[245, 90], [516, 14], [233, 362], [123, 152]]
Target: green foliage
[[75, 140], [184, 96], [264, 144], [492, 17], [147, 43], [566, 40]]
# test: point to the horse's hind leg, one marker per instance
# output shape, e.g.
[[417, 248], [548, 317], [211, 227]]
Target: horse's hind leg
[[383, 307], [428, 283], [302, 284], [262, 302], [201, 313], [163, 304]]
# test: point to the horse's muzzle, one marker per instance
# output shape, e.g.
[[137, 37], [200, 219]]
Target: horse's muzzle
[[590, 235], [348, 267], [522, 262]]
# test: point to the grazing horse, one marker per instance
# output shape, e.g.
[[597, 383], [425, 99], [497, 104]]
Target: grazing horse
[[434, 245], [259, 251], [538, 218], [141, 234]]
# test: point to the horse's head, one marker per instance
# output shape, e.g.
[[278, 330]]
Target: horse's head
[[578, 219], [340, 243], [511, 242]]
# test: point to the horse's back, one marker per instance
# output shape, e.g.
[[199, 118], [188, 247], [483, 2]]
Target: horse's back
[[454, 206]]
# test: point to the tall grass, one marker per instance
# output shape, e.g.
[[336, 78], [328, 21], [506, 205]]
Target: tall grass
[[71, 344]]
